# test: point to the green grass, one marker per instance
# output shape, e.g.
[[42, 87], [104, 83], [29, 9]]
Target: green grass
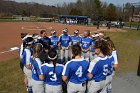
[[127, 45], [11, 77]]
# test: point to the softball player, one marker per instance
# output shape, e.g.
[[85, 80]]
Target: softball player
[[98, 68], [27, 53], [75, 39], [86, 45], [92, 54], [21, 48], [75, 72], [113, 64], [65, 42], [52, 72], [37, 75]]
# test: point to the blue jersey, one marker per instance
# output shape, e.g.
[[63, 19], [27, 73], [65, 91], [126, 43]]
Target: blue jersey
[[36, 69], [64, 40], [52, 78], [86, 42], [54, 41], [110, 66], [92, 46], [99, 68], [76, 70], [75, 39], [27, 53]]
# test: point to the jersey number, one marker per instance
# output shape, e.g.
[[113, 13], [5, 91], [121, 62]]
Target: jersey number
[[105, 70], [79, 72], [53, 78]]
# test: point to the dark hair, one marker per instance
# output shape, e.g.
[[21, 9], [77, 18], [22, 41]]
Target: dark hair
[[27, 41], [103, 46], [76, 50], [42, 31], [111, 44], [52, 55], [22, 35]]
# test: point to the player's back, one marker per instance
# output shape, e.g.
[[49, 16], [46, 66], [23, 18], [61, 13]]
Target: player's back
[[99, 68], [111, 63], [76, 69], [26, 56], [52, 77], [36, 68]]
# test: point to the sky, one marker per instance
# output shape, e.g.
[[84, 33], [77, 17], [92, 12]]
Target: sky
[[55, 2]]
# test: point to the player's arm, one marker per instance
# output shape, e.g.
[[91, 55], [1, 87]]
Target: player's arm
[[65, 73], [92, 69], [28, 56], [39, 71]]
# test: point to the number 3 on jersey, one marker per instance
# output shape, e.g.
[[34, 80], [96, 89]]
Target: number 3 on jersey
[[79, 72], [54, 78]]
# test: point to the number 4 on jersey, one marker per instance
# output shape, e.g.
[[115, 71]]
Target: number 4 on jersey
[[79, 72]]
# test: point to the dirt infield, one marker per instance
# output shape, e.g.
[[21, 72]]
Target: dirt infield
[[10, 33]]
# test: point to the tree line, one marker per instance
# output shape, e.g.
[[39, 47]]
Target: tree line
[[95, 9]]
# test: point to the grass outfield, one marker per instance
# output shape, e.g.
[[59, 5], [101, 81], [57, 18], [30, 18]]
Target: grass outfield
[[127, 44]]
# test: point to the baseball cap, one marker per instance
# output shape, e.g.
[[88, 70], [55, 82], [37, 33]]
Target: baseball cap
[[65, 30], [96, 35], [101, 34], [93, 35], [76, 31], [53, 31]]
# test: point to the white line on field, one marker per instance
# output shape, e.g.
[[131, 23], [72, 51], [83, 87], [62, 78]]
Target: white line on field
[[11, 49]]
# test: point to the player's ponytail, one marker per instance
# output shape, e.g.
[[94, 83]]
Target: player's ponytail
[[52, 55], [37, 49], [103, 46]]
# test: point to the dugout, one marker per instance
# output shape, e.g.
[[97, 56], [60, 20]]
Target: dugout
[[69, 19]]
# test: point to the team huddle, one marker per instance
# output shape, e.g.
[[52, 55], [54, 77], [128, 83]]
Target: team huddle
[[68, 63]]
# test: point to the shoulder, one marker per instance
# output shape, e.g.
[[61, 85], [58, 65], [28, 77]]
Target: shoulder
[[27, 51], [60, 65], [61, 35], [50, 36]]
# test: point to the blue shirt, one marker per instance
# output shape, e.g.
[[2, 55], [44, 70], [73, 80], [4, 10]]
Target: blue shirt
[[76, 70], [36, 68], [92, 46], [64, 40], [27, 53], [54, 41], [52, 78], [111, 63], [86, 42], [99, 68], [75, 39]]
